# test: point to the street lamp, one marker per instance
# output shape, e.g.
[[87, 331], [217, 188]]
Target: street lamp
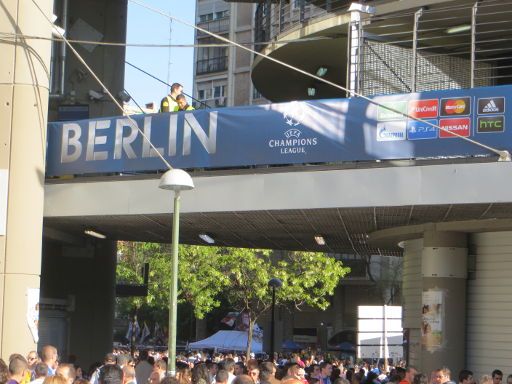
[[273, 283], [175, 180]]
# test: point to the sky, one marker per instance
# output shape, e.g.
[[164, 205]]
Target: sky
[[148, 27]]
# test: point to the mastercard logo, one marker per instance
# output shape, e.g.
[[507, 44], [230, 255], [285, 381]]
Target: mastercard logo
[[456, 107]]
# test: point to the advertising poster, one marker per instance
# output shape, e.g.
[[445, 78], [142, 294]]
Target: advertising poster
[[297, 132], [432, 320], [33, 312]]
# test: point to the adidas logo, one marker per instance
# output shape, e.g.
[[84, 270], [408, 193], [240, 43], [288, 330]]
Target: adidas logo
[[490, 107]]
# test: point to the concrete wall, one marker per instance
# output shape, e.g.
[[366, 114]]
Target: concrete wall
[[84, 275], [489, 308], [411, 298], [95, 20]]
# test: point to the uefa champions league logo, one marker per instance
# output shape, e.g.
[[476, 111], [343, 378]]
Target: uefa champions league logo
[[292, 132], [294, 114]]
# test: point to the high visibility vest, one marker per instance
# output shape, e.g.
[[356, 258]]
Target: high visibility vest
[[168, 104]]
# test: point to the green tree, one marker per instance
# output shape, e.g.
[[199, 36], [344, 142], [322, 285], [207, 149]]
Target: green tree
[[243, 275], [240, 275]]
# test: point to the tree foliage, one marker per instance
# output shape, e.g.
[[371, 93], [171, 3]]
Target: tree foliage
[[240, 275]]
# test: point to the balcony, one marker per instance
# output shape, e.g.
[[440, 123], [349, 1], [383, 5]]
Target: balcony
[[216, 102], [219, 26], [272, 20], [216, 64]]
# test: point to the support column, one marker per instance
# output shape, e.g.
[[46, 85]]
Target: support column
[[24, 83], [443, 326]]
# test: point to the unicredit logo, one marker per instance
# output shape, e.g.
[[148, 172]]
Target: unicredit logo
[[423, 108], [426, 109]]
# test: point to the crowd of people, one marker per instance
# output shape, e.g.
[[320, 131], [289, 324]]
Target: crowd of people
[[149, 367]]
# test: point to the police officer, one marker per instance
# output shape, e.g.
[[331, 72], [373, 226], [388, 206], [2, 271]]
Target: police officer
[[169, 103]]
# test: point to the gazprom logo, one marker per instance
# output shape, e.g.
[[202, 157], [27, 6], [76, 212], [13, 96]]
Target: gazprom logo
[[292, 133], [391, 131]]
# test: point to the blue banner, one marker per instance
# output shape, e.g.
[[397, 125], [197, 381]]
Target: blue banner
[[297, 132]]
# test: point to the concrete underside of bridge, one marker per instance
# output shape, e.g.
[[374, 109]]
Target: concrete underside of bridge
[[285, 210]]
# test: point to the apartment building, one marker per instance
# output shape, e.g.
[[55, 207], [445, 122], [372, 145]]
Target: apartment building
[[222, 73]]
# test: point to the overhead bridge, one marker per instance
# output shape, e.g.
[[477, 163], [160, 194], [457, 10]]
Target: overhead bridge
[[275, 176]]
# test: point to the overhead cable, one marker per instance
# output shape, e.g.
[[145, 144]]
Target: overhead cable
[[107, 91], [164, 82], [146, 45]]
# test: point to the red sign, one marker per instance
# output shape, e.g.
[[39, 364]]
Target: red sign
[[461, 126], [423, 109]]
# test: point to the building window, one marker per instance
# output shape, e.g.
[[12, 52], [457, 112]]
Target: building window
[[218, 90], [221, 15], [200, 94], [205, 18]]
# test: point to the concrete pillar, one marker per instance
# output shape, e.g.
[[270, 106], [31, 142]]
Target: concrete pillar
[[84, 273], [411, 300], [24, 82], [444, 272]]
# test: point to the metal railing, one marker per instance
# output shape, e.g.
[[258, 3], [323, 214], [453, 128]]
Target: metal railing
[[215, 64], [219, 26], [273, 18], [453, 46]]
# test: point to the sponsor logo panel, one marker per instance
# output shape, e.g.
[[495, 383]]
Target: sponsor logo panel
[[385, 114], [423, 109], [417, 130], [392, 131], [491, 105], [457, 106], [460, 126], [487, 124]]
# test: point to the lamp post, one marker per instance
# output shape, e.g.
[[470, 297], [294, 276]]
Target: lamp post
[[273, 283], [175, 180]]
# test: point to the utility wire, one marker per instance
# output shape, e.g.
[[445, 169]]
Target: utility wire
[[135, 101], [145, 45], [134, 124], [503, 154], [163, 82]]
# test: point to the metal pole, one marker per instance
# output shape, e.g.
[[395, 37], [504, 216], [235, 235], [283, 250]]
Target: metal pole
[[272, 324], [474, 11], [385, 339], [63, 48], [417, 16], [173, 299]]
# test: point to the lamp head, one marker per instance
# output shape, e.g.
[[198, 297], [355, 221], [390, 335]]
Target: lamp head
[[275, 283], [176, 180]]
